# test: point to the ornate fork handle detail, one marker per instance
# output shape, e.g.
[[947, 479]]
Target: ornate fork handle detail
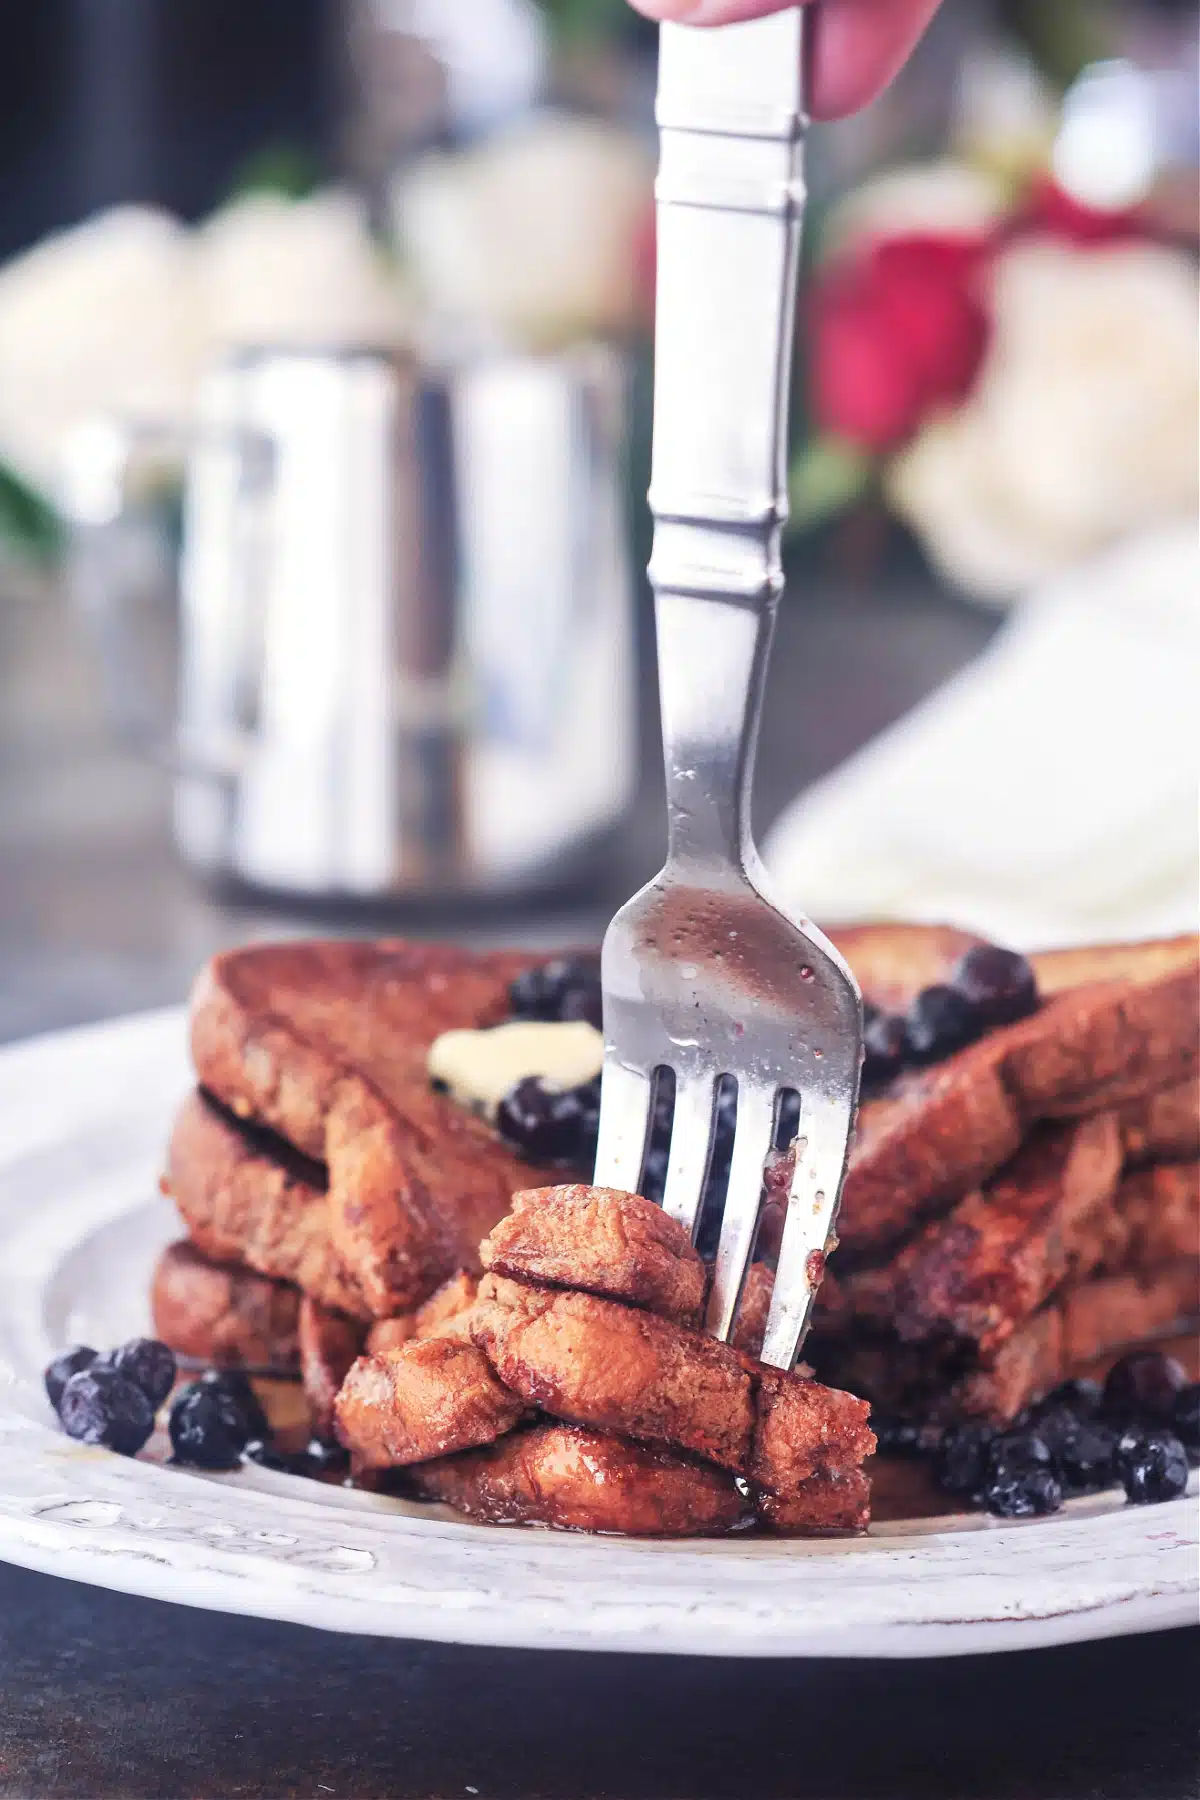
[[730, 201]]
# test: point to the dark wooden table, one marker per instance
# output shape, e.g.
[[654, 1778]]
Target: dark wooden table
[[101, 1694]]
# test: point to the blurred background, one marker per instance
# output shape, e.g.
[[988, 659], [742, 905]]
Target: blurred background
[[325, 361]]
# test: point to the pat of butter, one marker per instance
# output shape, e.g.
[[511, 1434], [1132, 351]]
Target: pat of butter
[[479, 1067]]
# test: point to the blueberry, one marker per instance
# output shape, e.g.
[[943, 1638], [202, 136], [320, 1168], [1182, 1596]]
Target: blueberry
[[654, 1175], [1012, 1451], [149, 1364], [543, 1124], [1143, 1385], [60, 1371], [1155, 1469], [535, 994], [582, 1000], [896, 1437], [238, 1389], [284, 1462], [1023, 1493], [207, 1427], [326, 1454], [961, 1460], [885, 1046], [567, 988], [1083, 1450], [1186, 1419], [1080, 1397], [98, 1406], [938, 1022], [998, 985]]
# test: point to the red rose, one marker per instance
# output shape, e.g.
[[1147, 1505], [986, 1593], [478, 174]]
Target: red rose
[[895, 333], [1049, 208]]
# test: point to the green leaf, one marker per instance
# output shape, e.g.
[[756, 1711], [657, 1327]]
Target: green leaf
[[573, 20], [28, 523], [827, 477], [283, 169]]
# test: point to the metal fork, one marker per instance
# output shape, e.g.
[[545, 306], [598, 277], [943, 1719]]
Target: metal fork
[[703, 973]]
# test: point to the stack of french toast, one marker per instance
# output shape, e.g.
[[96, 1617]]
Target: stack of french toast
[[1022, 1197]]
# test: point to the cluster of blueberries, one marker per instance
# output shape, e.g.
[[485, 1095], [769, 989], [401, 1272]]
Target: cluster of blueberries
[[1141, 1430], [545, 1124], [111, 1398], [988, 986]]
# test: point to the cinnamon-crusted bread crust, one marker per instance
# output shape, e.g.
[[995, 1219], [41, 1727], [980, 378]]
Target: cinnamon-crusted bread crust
[[326, 1044]]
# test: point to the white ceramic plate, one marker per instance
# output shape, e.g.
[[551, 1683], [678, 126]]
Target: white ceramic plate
[[83, 1116]]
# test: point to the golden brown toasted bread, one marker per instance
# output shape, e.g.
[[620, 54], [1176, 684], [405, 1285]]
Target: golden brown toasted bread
[[1083, 1320], [329, 1345], [325, 1044], [425, 1399], [601, 1241], [1117, 1023], [1164, 1126], [581, 1480], [599, 1363], [222, 1314], [975, 1274], [246, 1203]]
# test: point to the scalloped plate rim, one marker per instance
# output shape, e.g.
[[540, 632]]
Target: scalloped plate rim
[[82, 1114]]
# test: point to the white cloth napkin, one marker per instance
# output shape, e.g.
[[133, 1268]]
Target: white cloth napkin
[[1048, 793]]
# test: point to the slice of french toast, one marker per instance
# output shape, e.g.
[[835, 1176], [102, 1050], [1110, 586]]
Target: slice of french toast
[[1116, 1023], [1083, 1321], [326, 1044]]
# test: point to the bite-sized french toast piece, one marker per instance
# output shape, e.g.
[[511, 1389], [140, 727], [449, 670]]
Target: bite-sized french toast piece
[[223, 1315], [834, 1500], [244, 1204], [750, 1322], [326, 1044], [329, 1344], [976, 1274], [389, 1334], [597, 1362], [426, 1399], [446, 1313], [1116, 1023], [802, 1428], [602, 1241], [580, 1480], [422, 1399], [1162, 1127]]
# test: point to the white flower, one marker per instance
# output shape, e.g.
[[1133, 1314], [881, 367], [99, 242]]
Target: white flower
[[1082, 428], [125, 312], [946, 198], [99, 317], [279, 271], [530, 238]]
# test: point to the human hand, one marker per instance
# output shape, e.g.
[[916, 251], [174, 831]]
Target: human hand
[[858, 46]]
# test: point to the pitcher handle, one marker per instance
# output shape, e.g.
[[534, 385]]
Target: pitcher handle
[[101, 458]]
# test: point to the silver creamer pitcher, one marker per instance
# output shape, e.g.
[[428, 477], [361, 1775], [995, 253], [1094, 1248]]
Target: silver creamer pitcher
[[405, 647]]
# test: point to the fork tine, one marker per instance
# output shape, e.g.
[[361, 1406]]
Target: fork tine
[[691, 1148], [822, 1148], [624, 1125], [751, 1144]]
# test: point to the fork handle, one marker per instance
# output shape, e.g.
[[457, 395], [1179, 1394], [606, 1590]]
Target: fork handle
[[730, 200]]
